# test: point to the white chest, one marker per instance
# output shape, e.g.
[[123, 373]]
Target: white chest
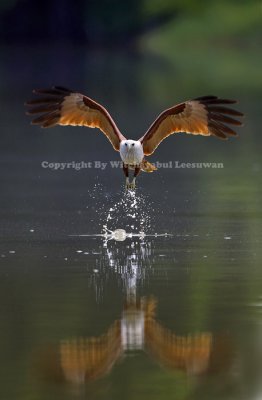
[[131, 152]]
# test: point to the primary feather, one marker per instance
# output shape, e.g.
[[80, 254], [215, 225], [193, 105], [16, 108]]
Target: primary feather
[[201, 116], [60, 106]]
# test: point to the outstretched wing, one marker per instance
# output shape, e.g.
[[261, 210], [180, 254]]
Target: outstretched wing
[[60, 106], [202, 116]]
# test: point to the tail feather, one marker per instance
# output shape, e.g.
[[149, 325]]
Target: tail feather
[[147, 166]]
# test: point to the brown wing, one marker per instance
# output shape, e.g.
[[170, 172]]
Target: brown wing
[[60, 106], [202, 116]]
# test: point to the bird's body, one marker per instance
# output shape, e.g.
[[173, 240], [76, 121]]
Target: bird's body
[[132, 155], [206, 116], [131, 152]]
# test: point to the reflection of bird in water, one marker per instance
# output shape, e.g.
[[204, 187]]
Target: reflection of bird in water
[[81, 360], [207, 116], [86, 359], [190, 353]]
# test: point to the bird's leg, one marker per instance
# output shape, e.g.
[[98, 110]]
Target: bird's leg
[[126, 172], [132, 185]]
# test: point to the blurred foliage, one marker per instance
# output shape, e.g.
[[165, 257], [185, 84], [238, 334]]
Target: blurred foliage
[[110, 22], [219, 20], [223, 40], [114, 22], [188, 35], [192, 48]]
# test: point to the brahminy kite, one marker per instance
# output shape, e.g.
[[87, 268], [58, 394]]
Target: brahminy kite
[[206, 116]]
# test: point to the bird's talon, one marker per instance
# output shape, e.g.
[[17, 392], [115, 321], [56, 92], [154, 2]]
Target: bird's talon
[[130, 185]]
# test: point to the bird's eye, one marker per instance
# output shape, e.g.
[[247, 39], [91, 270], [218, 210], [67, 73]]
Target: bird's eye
[[126, 144], [133, 144]]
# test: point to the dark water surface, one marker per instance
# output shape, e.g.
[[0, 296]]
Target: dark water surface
[[169, 317]]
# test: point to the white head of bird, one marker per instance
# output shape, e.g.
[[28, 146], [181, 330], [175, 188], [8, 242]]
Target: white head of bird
[[131, 152]]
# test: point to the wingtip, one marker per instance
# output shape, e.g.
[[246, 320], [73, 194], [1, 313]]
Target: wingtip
[[62, 89], [206, 97], [239, 114]]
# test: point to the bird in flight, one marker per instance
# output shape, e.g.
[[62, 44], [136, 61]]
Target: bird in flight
[[206, 116]]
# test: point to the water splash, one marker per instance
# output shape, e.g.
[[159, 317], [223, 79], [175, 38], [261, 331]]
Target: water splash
[[120, 235], [133, 210]]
